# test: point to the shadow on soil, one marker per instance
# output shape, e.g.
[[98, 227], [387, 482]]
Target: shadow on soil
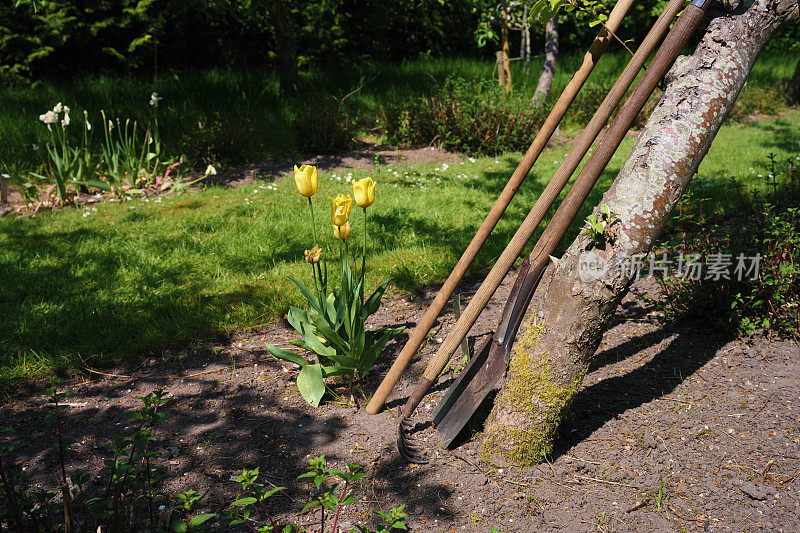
[[685, 352]]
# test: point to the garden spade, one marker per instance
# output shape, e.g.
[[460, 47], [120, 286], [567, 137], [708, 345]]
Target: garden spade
[[464, 405]]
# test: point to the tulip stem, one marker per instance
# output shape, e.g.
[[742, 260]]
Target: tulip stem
[[313, 222], [364, 259], [314, 235]]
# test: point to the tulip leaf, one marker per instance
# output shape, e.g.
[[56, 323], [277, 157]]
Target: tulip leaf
[[311, 385], [285, 355], [331, 336], [371, 354], [313, 302], [374, 300]]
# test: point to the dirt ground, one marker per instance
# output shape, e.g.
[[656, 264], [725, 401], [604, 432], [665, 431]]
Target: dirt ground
[[676, 428]]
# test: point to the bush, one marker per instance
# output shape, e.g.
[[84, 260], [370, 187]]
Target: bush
[[323, 126], [465, 116], [217, 139], [757, 100], [771, 228]]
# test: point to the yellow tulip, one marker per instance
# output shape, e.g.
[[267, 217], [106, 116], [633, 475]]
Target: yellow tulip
[[342, 232], [364, 192], [305, 178], [313, 255], [340, 210]]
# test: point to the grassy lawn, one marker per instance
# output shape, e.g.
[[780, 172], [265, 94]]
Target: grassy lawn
[[121, 279], [243, 119]]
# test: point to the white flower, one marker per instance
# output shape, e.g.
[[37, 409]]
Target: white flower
[[110, 126], [65, 120], [49, 118], [211, 171], [88, 125], [35, 147], [57, 108], [154, 98]]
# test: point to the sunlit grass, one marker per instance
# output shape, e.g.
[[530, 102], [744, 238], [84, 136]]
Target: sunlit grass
[[122, 279]]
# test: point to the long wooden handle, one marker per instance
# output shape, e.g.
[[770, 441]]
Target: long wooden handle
[[553, 188], [425, 324]]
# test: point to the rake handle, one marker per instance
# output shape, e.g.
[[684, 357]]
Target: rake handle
[[427, 321], [588, 176]]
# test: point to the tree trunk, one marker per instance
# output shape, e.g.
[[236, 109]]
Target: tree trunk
[[793, 90], [287, 51], [554, 351], [549, 68]]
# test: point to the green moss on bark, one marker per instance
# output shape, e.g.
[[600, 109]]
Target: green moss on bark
[[527, 412]]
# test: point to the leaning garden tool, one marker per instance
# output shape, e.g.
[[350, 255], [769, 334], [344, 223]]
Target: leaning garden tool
[[425, 324], [546, 245]]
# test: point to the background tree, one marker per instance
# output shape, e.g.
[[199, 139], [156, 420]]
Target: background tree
[[793, 89], [287, 51], [554, 351], [550, 57]]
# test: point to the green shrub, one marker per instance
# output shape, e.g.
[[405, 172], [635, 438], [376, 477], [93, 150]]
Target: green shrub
[[323, 126], [474, 117], [769, 227], [216, 139], [757, 100]]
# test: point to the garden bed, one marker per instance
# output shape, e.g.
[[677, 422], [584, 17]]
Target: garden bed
[[675, 427]]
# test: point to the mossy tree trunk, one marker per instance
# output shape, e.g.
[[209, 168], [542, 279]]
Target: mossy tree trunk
[[550, 58], [554, 350]]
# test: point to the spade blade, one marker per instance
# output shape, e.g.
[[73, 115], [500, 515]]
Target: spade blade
[[466, 394]]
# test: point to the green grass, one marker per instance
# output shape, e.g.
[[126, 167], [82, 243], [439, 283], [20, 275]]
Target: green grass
[[123, 279], [254, 123]]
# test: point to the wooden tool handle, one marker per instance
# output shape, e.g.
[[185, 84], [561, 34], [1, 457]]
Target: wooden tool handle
[[425, 324], [598, 161]]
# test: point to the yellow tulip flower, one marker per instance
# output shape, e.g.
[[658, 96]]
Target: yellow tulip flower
[[313, 255], [364, 192], [342, 232], [306, 180], [341, 209]]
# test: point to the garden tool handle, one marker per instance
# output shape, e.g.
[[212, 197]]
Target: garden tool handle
[[559, 224], [427, 321]]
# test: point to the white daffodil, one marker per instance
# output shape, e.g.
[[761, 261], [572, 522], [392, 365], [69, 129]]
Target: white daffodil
[[110, 126], [211, 171], [48, 118], [86, 119], [57, 109], [65, 120], [154, 98]]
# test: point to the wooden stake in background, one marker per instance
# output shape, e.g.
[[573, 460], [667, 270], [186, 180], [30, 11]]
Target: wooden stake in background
[[504, 66]]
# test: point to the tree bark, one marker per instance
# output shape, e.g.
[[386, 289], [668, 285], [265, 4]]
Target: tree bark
[[554, 351], [793, 89], [287, 50], [550, 57]]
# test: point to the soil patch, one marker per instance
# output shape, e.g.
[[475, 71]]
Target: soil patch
[[676, 428]]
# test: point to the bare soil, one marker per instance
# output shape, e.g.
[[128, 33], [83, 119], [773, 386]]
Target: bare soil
[[676, 428]]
